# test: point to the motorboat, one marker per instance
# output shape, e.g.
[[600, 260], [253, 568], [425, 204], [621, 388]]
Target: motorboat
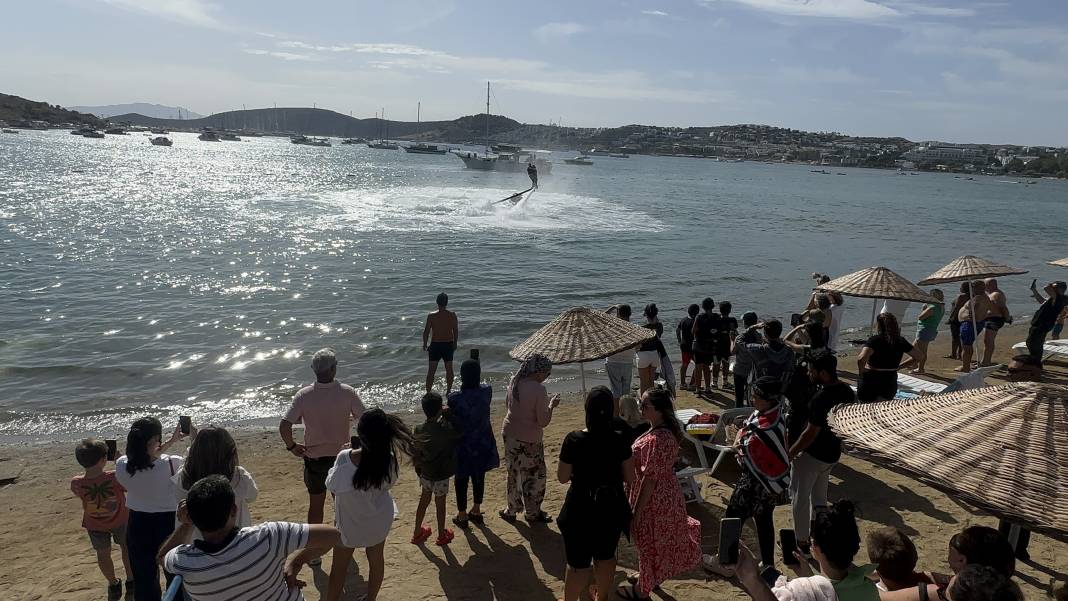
[[383, 145], [229, 137], [509, 162], [354, 141], [115, 131], [10, 131], [92, 133], [579, 160], [208, 136], [422, 148], [619, 155], [159, 131], [161, 141], [306, 141]]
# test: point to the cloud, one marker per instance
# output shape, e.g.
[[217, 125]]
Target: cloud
[[551, 31], [619, 85], [820, 75], [655, 13], [861, 10], [190, 12], [286, 56], [934, 11]]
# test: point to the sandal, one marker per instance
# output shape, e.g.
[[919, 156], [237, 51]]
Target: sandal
[[508, 517], [421, 536], [540, 518], [463, 524], [630, 592], [477, 518], [445, 537]]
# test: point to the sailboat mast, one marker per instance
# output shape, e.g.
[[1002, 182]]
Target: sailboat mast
[[487, 116], [418, 112]]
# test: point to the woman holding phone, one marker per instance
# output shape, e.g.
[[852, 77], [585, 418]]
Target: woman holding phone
[[529, 410], [147, 473]]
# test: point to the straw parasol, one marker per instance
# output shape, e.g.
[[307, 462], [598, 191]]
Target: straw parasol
[[876, 283], [582, 334], [1060, 262], [968, 268], [1002, 450]]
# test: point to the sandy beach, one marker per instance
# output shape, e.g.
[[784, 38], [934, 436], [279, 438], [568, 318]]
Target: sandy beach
[[46, 554]]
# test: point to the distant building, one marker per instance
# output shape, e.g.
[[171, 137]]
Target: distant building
[[946, 154]]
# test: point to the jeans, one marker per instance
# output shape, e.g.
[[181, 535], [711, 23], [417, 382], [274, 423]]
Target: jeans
[[478, 482], [808, 491], [619, 376], [741, 388], [145, 534]]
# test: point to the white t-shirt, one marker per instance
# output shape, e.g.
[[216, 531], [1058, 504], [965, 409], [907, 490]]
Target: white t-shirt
[[364, 517], [245, 492], [249, 567], [835, 326], [150, 490]]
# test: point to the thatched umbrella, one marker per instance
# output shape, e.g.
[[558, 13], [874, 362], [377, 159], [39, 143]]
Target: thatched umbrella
[[582, 334], [969, 268], [1060, 262], [876, 283], [1002, 450]]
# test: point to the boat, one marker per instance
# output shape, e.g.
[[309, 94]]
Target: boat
[[425, 149], [159, 131], [597, 152], [92, 133], [115, 131], [619, 155], [208, 136], [229, 137], [508, 158], [10, 131], [383, 145], [306, 141], [161, 141], [354, 141], [579, 160]]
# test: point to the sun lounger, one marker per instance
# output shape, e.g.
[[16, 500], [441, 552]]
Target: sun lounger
[[910, 386], [1053, 348], [717, 442]]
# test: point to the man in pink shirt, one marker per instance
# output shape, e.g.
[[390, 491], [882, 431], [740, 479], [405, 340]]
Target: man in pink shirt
[[324, 409]]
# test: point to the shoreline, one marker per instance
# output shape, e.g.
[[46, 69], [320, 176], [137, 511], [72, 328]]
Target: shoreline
[[499, 561]]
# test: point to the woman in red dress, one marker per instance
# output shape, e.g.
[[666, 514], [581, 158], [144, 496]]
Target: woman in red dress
[[668, 540]]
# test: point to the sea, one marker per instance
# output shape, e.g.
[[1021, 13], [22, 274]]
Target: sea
[[198, 279]]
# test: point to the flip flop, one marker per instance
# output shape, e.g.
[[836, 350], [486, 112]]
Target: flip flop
[[541, 518], [508, 517], [629, 592], [445, 537], [422, 536], [477, 518], [462, 523]]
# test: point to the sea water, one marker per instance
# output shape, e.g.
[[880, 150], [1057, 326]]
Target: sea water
[[199, 279]]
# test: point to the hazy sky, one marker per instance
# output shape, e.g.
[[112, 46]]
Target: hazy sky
[[957, 70]]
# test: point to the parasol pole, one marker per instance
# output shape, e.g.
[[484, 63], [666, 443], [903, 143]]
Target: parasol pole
[[582, 371], [874, 302], [971, 299]]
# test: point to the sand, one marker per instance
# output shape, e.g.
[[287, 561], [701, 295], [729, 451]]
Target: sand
[[46, 555]]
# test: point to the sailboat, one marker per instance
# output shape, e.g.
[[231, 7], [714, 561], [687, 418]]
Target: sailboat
[[383, 131], [511, 159]]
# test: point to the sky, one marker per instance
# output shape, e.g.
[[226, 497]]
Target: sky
[[952, 70]]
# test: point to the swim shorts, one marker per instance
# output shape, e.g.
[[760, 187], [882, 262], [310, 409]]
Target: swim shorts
[[438, 488], [926, 334], [101, 539], [644, 359], [687, 356], [315, 471], [995, 323], [967, 333], [441, 351]]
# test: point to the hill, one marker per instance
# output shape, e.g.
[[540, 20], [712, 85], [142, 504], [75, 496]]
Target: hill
[[14, 109], [142, 108], [323, 122]]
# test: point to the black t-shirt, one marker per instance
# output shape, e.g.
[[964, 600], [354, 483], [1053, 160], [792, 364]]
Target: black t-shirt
[[826, 447], [596, 459], [686, 333], [1046, 316], [708, 326], [651, 345], [726, 326], [887, 355]]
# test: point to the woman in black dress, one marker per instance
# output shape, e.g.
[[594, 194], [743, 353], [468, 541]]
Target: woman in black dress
[[880, 359], [596, 461]]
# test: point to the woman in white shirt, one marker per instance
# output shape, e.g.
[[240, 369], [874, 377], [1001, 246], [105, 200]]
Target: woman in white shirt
[[363, 506], [214, 452], [146, 473]]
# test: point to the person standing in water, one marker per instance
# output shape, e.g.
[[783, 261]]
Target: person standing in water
[[440, 335], [532, 171]]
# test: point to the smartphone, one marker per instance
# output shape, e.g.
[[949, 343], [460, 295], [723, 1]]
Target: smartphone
[[795, 319], [770, 576], [185, 423], [354, 442], [789, 546], [474, 354], [113, 448], [730, 531]]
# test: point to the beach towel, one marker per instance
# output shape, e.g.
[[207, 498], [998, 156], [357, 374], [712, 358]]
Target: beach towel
[[812, 588]]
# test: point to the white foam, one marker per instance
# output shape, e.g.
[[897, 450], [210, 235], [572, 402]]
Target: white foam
[[462, 209]]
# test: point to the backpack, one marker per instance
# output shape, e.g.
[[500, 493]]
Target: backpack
[[763, 450]]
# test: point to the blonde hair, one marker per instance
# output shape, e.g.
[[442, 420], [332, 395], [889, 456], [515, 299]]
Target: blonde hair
[[629, 410]]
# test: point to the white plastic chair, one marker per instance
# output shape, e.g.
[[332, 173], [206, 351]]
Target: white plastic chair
[[718, 441]]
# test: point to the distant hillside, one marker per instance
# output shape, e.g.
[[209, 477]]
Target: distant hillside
[[322, 122], [15, 108], [142, 108]]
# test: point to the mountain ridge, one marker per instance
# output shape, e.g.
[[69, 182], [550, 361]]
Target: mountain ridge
[[147, 109]]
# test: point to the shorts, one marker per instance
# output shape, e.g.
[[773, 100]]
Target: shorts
[[703, 358], [441, 351], [101, 539], [315, 471], [927, 334], [967, 333], [583, 548], [995, 323], [644, 359], [439, 488], [619, 375], [723, 349], [687, 357]]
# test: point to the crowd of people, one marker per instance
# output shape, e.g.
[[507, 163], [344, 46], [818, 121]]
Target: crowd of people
[[190, 514]]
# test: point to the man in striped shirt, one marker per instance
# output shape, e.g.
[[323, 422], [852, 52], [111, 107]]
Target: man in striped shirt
[[260, 562]]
